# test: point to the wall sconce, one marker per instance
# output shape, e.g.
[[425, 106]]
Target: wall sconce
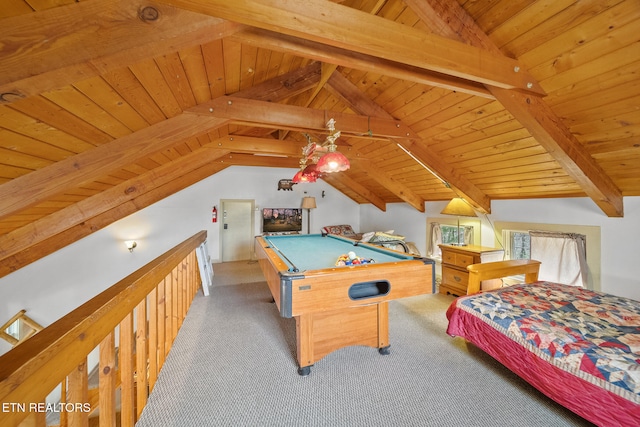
[[130, 244]]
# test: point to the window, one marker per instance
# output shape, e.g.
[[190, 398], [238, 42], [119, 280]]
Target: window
[[450, 234], [445, 230], [517, 244]]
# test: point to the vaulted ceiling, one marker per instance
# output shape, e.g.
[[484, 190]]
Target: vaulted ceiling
[[107, 106]]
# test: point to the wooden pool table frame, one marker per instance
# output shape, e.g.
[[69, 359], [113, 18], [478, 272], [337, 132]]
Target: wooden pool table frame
[[326, 317]]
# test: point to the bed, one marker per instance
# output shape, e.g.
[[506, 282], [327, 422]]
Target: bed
[[579, 347]]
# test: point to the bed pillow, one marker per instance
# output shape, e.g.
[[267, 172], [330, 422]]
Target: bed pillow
[[380, 236], [340, 230], [367, 236]]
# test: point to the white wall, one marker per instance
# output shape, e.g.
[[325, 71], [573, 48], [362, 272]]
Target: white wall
[[619, 236], [261, 184], [404, 219], [54, 285]]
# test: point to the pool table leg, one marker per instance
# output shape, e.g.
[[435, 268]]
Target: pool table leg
[[383, 327], [304, 343], [304, 371], [320, 333]]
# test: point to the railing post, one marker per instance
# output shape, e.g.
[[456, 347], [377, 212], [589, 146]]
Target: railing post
[[141, 357], [162, 321], [127, 382], [153, 338], [78, 394], [107, 381]]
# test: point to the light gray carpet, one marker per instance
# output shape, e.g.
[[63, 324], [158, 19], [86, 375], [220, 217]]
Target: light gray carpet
[[233, 364]]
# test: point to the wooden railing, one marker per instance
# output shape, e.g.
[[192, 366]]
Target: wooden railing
[[131, 326]]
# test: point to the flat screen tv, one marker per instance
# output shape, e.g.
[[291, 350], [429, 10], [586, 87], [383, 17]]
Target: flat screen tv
[[281, 220]]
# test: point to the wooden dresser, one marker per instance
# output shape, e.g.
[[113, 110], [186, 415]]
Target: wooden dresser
[[455, 259]]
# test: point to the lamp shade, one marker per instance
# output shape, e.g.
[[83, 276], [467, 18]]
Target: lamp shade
[[308, 174], [297, 178], [458, 207], [309, 203], [333, 161]]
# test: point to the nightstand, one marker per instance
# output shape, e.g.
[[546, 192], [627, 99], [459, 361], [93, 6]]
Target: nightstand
[[455, 259]]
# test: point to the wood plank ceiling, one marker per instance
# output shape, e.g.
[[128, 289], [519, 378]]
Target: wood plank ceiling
[[107, 106]]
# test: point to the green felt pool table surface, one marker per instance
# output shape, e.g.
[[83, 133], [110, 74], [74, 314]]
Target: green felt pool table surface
[[314, 251]]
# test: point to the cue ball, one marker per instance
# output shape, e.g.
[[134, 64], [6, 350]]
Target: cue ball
[[352, 255]]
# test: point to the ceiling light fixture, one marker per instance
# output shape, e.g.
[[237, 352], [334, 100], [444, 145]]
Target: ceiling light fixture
[[333, 160], [324, 157], [306, 174]]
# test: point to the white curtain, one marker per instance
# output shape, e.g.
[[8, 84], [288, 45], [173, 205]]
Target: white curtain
[[435, 238], [468, 234], [563, 257]]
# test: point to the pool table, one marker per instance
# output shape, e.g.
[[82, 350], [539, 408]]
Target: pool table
[[338, 306]]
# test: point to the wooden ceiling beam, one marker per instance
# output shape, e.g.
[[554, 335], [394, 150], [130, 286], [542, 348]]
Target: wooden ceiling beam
[[347, 28], [263, 146], [306, 119], [242, 159], [326, 70], [248, 146], [30, 189], [56, 47], [549, 131], [341, 57], [49, 234], [35, 187], [329, 68], [286, 85], [171, 173], [280, 116], [399, 189], [451, 20], [340, 87], [334, 179]]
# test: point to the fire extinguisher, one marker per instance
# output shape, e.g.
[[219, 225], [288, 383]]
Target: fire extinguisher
[[214, 215]]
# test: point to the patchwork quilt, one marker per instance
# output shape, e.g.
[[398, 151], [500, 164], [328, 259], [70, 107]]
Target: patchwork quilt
[[579, 347]]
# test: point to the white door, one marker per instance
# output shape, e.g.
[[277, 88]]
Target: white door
[[237, 230]]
